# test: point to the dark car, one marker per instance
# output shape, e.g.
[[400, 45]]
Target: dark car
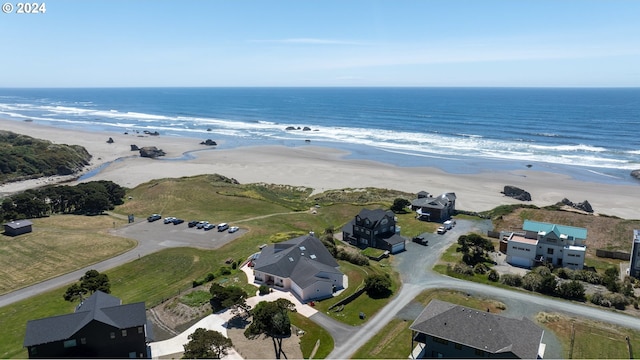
[[177, 221], [154, 217], [192, 223], [420, 240]]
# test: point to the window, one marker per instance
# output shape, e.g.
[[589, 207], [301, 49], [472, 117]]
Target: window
[[439, 340], [458, 347], [112, 335], [549, 251], [124, 332], [479, 352], [33, 350], [140, 330], [83, 341], [70, 343]]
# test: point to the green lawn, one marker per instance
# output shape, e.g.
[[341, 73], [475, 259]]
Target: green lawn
[[313, 334]]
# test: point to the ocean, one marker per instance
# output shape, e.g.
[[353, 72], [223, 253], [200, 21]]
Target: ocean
[[588, 133]]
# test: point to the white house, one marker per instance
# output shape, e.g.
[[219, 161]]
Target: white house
[[560, 245], [302, 265]]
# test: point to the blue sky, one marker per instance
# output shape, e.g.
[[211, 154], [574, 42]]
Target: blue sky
[[323, 43]]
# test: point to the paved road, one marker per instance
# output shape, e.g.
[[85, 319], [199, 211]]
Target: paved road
[[415, 266]]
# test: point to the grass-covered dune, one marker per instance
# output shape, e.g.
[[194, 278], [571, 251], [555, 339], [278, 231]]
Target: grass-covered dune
[[23, 157]]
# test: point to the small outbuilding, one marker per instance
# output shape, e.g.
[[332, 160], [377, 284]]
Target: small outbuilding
[[17, 227]]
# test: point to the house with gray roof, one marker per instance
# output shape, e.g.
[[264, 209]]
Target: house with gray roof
[[101, 327], [18, 227], [438, 209], [302, 265], [445, 330], [374, 228]]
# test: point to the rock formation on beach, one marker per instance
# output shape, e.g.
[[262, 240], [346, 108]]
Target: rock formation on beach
[[209, 142], [134, 147], [151, 152], [636, 174], [516, 193], [584, 206], [110, 141]]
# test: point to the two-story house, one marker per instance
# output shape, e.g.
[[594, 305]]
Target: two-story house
[[101, 327], [374, 228], [540, 242], [445, 330], [438, 209]]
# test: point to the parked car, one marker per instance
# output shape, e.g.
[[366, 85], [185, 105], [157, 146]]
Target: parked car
[[192, 223], [233, 229], [420, 240], [177, 221], [441, 230], [208, 227], [201, 224], [169, 219], [154, 217], [223, 226]]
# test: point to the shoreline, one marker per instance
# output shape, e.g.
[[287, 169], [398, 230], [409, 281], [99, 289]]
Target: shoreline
[[317, 167]]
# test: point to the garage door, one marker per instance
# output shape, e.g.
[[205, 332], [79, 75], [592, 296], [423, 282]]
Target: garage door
[[519, 261], [396, 248]]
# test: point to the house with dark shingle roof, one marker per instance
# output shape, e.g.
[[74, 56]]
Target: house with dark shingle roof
[[18, 227], [101, 327], [374, 228], [430, 208], [302, 265], [453, 331]]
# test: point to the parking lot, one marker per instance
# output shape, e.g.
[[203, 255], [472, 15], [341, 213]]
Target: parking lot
[[169, 235]]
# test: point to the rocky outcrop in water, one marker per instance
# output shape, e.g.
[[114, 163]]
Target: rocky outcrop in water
[[636, 174], [151, 152], [516, 193]]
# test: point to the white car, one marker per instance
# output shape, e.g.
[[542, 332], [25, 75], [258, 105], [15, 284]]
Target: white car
[[169, 219], [201, 224], [442, 230], [233, 229]]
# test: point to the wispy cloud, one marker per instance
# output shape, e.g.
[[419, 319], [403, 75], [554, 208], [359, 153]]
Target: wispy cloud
[[308, 41]]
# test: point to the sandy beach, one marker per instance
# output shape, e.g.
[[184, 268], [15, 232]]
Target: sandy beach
[[319, 168]]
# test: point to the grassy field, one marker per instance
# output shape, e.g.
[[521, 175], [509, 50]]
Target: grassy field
[[591, 339], [57, 245], [313, 334], [165, 274], [394, 340]]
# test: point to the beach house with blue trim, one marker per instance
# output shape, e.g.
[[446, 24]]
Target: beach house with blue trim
[[540, 242]]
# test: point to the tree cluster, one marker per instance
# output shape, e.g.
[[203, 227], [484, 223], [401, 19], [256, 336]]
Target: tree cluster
[[399, 205], [378, 285], [233, 297], [474, 249], [89, 283], [206, 344], [271, 319], [86, 198]]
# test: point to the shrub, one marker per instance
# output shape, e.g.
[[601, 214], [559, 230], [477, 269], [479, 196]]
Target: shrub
[[618, 301], [571, 290], [532, 281], [378, 285], [480, 268], [599, 299], [542, 271], [234, 265], [591, 277], [209, 277], [493, 275], [511, 280], [264, 289], [463, 269], [564, 273], [224, 270], [353, 257], [196, 283]]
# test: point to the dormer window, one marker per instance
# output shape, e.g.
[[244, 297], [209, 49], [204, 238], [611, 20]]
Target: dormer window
[[384, 221]]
